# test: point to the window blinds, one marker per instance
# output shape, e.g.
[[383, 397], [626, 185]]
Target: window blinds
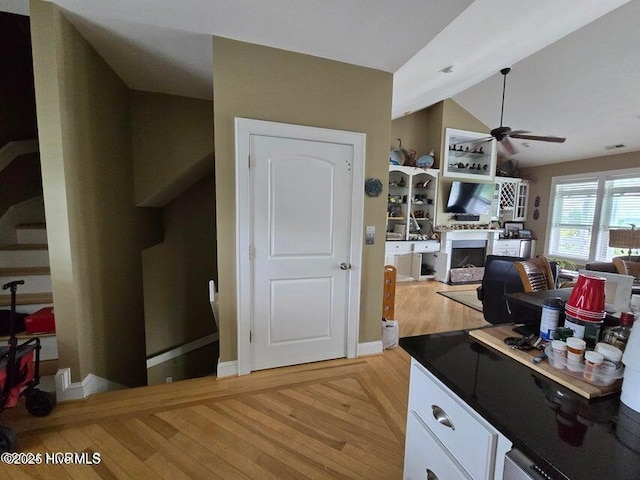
[[585, 209]]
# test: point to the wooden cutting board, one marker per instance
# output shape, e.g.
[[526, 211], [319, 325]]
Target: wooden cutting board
[[494, 338]]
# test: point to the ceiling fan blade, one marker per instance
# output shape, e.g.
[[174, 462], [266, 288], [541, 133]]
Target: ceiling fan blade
[[508, 146], [538, 138], [517, 132]]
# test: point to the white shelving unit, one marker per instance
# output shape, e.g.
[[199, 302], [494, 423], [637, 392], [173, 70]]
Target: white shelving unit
[[411, 203], [467, 156], [410, 219]]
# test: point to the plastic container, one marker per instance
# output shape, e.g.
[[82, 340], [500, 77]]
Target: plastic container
[[559, 349], [575, 353], [551, 308], [592, 361], [610, 353], [603, 375]]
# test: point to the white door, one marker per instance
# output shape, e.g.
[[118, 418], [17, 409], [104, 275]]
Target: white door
[[305, 245]]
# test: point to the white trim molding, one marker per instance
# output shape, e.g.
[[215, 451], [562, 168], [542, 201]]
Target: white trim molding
[[370, 348], [67, 390], [182, 350], [227, 369]]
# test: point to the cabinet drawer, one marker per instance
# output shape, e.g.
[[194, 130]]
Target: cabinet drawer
[[508, 245], [398, 247], [468, 437], [426, 247], [425, 457]]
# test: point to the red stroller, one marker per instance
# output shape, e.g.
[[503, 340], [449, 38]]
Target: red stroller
[[19, 375]]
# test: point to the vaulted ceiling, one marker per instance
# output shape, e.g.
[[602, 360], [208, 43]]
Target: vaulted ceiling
[[575, 63]]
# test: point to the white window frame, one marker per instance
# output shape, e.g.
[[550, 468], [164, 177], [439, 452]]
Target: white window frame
[[597, 226]]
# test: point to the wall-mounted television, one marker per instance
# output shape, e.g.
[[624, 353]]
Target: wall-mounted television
[[470, 198]]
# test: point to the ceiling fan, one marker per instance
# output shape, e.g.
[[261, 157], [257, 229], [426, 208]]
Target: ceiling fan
[[503, 134]]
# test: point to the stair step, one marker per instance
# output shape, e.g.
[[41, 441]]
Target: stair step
[[32, 283], [27, 299], [27, 255], [24, 271], [31, 233]]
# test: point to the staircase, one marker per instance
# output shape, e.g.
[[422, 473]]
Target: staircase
[[28, 260]]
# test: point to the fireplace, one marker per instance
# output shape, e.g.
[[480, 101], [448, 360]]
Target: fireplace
[[468, 253], [467, 261]]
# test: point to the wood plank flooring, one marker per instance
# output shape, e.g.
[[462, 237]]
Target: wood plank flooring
[[339, 419]]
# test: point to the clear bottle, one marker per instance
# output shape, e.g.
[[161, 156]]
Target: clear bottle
[[618, 336]]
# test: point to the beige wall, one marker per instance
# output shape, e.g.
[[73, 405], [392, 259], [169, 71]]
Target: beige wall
[[269, 84], [94, 228], [172, 144], [176, 275], [413, 130], [541, 185], [454, 116]]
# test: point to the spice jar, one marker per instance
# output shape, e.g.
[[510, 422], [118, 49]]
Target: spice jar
[[592, 360]]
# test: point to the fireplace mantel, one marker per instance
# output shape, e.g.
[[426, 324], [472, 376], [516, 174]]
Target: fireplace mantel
[[447, 237]]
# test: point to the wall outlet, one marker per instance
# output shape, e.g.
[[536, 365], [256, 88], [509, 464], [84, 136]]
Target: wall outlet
[[169, 379]]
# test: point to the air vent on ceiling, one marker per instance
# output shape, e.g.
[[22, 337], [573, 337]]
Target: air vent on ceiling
[[614, 147]]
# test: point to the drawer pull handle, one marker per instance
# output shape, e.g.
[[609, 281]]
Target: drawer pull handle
[[441, 416], [431, 475]]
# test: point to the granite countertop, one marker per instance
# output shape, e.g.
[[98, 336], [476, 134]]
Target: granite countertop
[[567, 435]]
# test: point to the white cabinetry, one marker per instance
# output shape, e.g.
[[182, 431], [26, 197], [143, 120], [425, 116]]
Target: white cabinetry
[[461, 444], [466, 155], [411, 202], [510, 199], [510, 248], [409, 257]]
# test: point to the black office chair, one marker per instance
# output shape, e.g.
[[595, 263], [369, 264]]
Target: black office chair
[[501, 277]]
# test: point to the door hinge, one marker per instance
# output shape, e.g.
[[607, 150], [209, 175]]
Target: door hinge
[[249, 161], [250, 336], [252, 252]]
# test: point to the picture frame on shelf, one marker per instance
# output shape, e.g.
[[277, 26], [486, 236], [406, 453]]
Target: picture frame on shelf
[[512, 229]]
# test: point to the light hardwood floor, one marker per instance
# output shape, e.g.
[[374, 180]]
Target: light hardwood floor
[[338, 419]]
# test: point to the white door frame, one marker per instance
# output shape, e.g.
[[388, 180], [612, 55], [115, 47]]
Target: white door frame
[[244, 128]]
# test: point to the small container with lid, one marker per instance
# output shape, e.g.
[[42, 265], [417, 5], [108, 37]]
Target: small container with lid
[[575, 352], [559, 358], [592, 361], [610, 353]]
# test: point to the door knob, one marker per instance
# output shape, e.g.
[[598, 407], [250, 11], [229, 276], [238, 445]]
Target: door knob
[[345, 266]]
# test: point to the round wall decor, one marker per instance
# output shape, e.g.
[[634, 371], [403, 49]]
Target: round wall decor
[[373, 187]]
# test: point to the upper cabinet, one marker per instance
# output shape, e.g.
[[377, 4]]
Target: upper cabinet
[[466, 155], [411, 202], [510, 199]]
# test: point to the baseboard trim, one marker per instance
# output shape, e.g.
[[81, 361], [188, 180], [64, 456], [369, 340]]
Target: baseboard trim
[[227, 369], [230, 369], [370, 348], [182, 350], [67, 390]]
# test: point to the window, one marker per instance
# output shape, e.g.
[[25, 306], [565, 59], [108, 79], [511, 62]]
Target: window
[[585, 207]]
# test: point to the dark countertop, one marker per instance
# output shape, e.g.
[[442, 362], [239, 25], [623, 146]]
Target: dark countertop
[[567, 435]]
